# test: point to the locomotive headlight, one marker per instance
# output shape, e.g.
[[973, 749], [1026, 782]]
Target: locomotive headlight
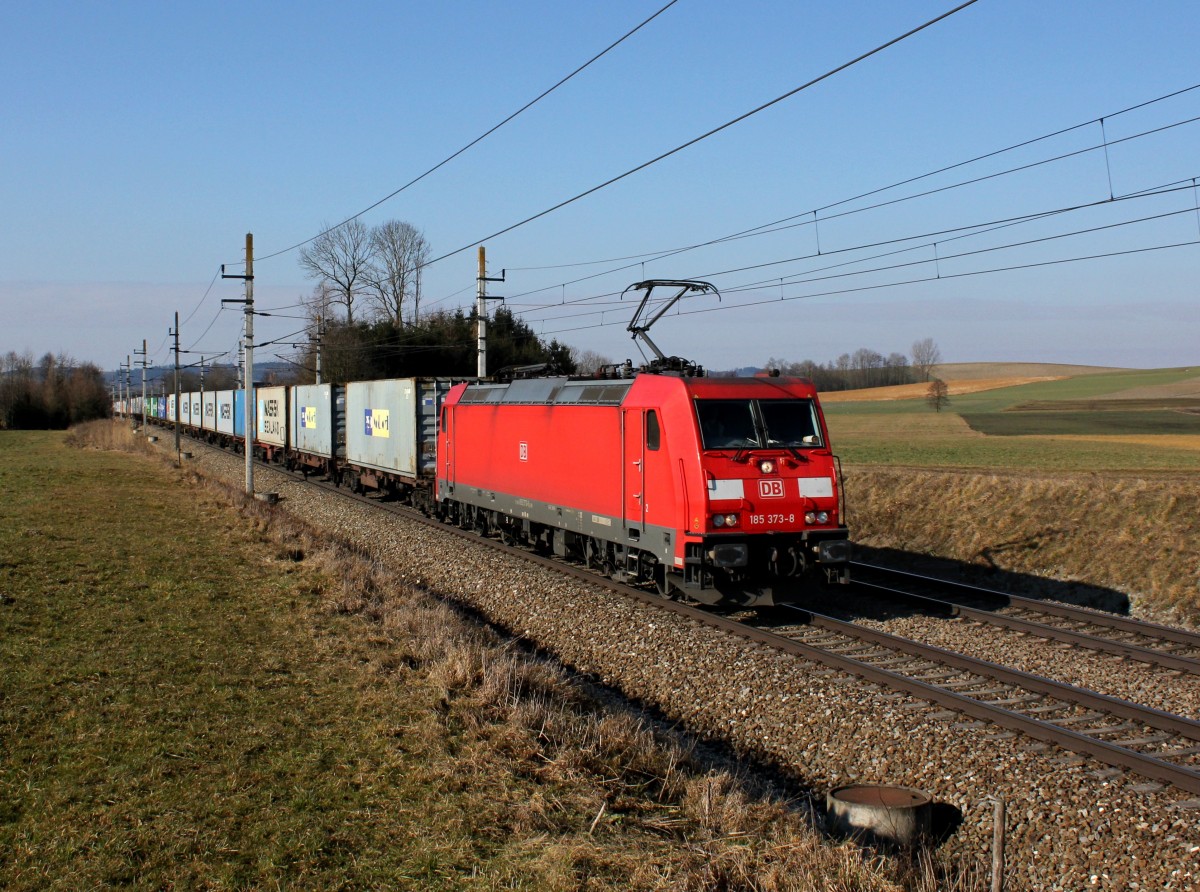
[[767, 467], [731, 520], [822, 517], [816, 517], [718, 520], [810, 517], [725, 520]]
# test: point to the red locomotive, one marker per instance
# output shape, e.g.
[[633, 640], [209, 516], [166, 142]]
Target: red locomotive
[[721, 489]]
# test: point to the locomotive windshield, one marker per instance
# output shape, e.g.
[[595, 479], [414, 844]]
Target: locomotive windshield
[[758, 424]]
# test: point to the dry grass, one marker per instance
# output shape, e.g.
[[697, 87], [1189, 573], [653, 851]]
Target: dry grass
[[414, 747], [956, 387], [1168, 441], [964, 371], [1136, 536], [109, 435]]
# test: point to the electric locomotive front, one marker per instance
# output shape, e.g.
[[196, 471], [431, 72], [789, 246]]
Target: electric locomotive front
[[772, 523]]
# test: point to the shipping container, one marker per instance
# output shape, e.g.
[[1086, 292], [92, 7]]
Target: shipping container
[[196, 418], [271, 424], [208, 400], [318, 420], [239, 414], [225, 412], [185, 409], [391, 426]]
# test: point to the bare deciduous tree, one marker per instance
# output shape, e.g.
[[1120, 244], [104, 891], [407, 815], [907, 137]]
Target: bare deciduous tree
[[588, 361], [341, 259], [318, 305], [51, 393], [938, 394], [399, 250], [925, 358]]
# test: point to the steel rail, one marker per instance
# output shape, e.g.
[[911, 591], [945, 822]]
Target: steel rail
[[1149, 655], [1154, 718], [1122, 623], [1178, 776]]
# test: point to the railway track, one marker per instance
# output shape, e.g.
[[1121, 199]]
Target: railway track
[[1170, 648], [1151, 743]]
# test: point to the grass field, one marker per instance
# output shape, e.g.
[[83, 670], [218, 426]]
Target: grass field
[[195, 694], [1067, 424]]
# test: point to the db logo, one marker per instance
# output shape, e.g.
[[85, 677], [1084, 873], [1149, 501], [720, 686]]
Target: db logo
[[770, 489]]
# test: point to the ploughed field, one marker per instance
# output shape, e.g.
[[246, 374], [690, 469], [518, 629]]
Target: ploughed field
[[1111, 420]]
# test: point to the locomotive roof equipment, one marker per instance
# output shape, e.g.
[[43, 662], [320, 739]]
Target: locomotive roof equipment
[[662, 362]]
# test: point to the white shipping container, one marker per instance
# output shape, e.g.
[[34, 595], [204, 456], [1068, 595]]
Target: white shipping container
[[225, 411], [209, 401], [271, 417]]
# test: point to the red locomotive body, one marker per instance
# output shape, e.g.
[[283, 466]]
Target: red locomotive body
[[722, 489]]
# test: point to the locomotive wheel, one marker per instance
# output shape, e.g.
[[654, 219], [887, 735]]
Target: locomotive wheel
[[661, 585]]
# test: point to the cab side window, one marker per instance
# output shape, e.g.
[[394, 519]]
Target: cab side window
[[653, 435]]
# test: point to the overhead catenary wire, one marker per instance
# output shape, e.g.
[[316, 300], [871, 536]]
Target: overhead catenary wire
[[767, 228], [704, 136], [944, 235], [191, 348], [1105, 144], [485, 134], [895, 284], [599, 308]]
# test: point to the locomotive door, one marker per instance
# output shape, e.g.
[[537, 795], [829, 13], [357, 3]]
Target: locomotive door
[[633, 471], [447, 460]]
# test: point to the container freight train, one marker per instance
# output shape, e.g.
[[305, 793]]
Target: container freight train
[[723, 490]]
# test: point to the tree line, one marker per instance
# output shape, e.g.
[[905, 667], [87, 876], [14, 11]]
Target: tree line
[[51, 393], [866, 368], [442, 343], [365, 313]]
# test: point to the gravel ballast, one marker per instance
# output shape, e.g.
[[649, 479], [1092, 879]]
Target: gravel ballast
[[1072, 823]]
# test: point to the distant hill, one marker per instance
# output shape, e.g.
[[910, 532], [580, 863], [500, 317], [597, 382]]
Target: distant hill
[[971, 371], [1141, 385]]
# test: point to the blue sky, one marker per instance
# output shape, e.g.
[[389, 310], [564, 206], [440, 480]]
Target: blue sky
[[141, 141]]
